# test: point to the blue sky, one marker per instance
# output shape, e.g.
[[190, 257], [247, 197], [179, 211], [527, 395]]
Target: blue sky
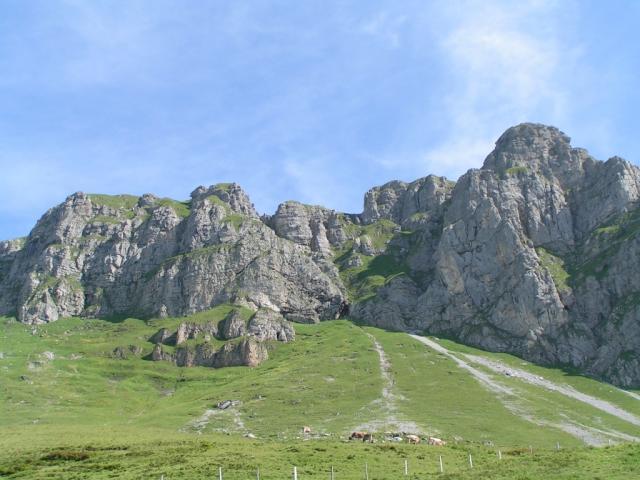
[[315, 101]]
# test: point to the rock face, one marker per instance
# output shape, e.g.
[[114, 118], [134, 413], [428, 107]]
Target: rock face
[[399, 201], [232, 326], [187, 331], [537, 253], [268, 325], [97, 255], [246, 352], [316, 227], [249, 350]]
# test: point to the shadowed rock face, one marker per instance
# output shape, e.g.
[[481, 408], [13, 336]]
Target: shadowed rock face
[[536, 253]]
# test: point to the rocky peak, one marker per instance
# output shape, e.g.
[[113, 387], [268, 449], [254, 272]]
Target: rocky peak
[[542, 149], [66, 220], [609, 188], [316, 227], [303, 224], [229, 193], [148, 200], [384, 202], [399, 201], [537, 253], [8, 247]]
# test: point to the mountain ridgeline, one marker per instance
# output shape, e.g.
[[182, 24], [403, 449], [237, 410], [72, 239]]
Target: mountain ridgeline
[[537, 253]]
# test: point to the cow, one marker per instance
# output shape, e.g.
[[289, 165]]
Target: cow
[[368, 437], [357, 435], [437, 442], [413, 439], [306, 429]]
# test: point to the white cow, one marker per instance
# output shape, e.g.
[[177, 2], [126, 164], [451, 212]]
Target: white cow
[[437, 442], [413, 439]]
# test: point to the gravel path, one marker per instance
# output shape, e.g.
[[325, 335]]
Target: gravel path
[[566, 390], [481, 376], [231, 413], [388, 403]]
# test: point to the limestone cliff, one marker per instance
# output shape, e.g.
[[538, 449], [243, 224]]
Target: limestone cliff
[[537, 256], [97, 255], [536, 253]]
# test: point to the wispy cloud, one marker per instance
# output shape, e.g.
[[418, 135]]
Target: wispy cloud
[[316, 101], [504, 68], [111, 44], [386, 26]]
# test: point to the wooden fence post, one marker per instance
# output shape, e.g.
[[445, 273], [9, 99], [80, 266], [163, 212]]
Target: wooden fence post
[[332, 478], [295, 473], [470, 461], [366, 471], [499, 455], [406, 467], [219, 473], [441, 466]]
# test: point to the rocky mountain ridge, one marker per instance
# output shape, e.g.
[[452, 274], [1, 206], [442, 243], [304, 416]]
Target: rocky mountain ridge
[[535, 253]]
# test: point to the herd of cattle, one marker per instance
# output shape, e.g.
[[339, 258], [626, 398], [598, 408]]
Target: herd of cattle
[[394, 437], [415, 439]]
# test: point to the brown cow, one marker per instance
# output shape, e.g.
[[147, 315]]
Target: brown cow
[[437, 442], [357, 435], [413, 439]]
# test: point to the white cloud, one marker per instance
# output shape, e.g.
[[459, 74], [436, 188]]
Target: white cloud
[[385, 26], [504, 65], [112, 44]]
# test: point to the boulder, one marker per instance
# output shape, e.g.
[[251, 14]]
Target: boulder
[[269, 325], [233, 326]]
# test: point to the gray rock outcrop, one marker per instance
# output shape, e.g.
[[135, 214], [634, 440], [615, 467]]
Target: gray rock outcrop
[[123, 353], [537, 253], [188, 330], [247, 352], [247, 349], [97, 255], [233, 326], [269, 325], [400, 202], [535, 256], [315, 227]]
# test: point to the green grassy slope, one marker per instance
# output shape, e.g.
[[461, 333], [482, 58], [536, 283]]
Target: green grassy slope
[[133, 416], [126, 454], [621, 398], [309, 380], [449, 400]]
